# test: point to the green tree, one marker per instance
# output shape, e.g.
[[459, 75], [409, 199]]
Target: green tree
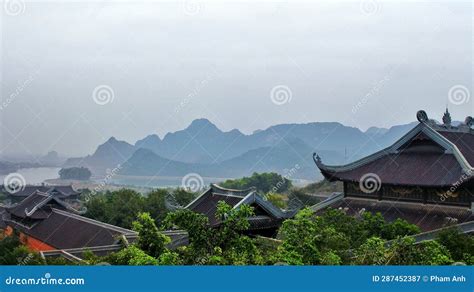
[[155, 204], [199, 231], [460, 246], [150, 240], [224, 244], [372, 252], [79, 173], [13, 253], [298, 247], [131, 256], [264, 182], [118, 208]]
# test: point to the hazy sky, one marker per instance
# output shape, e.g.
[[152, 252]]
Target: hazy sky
[[369, 63]]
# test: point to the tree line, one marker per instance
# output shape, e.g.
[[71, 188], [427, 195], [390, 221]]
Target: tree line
[[330, 238]]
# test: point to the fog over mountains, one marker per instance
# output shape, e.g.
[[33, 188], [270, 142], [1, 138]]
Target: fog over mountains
[[203, 148]]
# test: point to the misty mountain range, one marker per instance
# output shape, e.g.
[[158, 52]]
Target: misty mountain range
[[204, 149]]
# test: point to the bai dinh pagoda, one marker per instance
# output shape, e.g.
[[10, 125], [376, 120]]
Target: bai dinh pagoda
[[426, 177]]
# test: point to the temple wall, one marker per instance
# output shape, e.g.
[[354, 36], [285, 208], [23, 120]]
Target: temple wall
[[34, 244], [461, 196], [31, 242]]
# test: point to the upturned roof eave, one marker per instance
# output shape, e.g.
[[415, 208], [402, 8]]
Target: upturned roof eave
[[449, 147]]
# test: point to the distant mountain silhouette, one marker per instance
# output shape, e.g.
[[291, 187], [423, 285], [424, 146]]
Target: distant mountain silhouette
[[108, 155], [205, 149]]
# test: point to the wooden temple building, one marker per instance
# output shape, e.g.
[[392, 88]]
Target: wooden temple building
[[266, 220], [49, 225], [65, 193], [426, 177]]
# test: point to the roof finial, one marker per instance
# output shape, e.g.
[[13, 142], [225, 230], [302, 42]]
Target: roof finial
[[469, 121], [447, 117], [316, 158], [422, 116]]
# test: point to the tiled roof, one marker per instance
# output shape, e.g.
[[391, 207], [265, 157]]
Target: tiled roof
[[59, 191], [427, 217], [428, 155], [207, 204], [423, 169], [28, 204], [64, 230], [37, 206], [464, 141]]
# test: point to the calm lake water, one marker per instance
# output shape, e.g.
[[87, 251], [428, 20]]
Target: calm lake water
[[36, 175]]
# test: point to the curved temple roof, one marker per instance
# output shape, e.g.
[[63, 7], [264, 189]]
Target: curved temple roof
[[396, 165], [207, 202]]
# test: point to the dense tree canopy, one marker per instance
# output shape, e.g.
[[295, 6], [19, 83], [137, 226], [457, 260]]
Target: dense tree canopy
[[122, 207], [332, 238], [79, 173], [263, 182], [328, 238], [13, 253]]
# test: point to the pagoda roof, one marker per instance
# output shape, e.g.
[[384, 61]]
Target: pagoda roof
[[59, 191], [38, 206], [55, 223], [207, 203], [427, 217], [444, 163]]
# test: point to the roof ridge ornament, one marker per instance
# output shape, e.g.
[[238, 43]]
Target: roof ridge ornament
[[447, 118], [422, 116], [317, 159], [469, 121]]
